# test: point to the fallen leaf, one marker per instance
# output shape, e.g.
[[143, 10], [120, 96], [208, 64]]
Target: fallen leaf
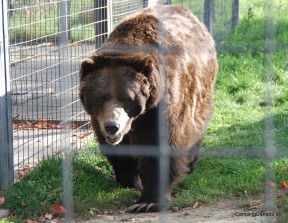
[[59, 209], [58, 126], [92, 212], [269, 183], [195, 205], [73, 126], [48, 216], [31, 221], [43, 124], [20, 173], [253, 207], [284, 184], [2, 200], [117, 201], [108, 212], [42, 120], [24, 125], [85, 135]]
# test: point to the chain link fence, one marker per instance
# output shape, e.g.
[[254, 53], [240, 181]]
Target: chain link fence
[[46, 40]]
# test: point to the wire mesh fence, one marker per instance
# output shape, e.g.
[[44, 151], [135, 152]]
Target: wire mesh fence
[[47, 41], [44, 53]]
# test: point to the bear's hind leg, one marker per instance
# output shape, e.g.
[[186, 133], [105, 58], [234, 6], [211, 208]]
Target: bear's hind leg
[[195, 151]]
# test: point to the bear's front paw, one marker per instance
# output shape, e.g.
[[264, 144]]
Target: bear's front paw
[[144, 207]]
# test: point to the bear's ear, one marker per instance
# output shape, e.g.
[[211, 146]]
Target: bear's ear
[[87, 66], [151, 72]]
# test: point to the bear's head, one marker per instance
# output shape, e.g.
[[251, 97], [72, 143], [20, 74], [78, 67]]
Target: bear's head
[[115, 90]]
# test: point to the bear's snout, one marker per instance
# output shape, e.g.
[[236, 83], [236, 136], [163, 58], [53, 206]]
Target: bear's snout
[[114, 122], [111, 127]]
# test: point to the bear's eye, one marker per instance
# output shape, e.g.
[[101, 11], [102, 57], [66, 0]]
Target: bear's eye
[[103, 98], [145, 81]]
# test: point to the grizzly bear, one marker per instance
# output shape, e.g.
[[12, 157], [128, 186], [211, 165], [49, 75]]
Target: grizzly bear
[[161, 56]]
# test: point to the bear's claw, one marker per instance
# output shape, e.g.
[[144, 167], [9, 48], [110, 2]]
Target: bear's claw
[[143, 207]]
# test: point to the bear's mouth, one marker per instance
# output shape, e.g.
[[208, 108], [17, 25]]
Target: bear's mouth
[[113, 139]]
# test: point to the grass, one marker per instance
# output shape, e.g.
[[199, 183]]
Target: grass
[[220, 178], [246, 76], [40, 22]]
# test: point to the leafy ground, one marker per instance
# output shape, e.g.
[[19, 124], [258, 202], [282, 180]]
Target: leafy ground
[[251, 114]]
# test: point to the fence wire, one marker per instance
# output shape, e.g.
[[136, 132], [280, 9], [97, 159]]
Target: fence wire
[[47, 41]]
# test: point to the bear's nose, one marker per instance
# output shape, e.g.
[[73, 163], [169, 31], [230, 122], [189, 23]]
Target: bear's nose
[[111, 127]]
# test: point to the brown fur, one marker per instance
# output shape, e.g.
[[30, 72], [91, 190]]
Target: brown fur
[[174, 60]]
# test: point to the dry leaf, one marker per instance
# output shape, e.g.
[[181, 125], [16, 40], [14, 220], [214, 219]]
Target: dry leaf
[[195, 205], [73, 126], [269, 183], [2, 200], [59, 209], [282, 169], [253, 207], [284, 184], [31, 221], [117, 201], [92, 212], [85, 135], [48, 216]]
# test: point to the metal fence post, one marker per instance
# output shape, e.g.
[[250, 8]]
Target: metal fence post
[[145, 3], [6, 133], [65, 111], [208, 14], [101, 21], [235, 13]]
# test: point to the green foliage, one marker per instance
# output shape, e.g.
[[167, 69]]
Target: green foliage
[[34, 195], [93, 186], [282, 205], [5, 220], [259, 19], [41, 21], [216, 179]]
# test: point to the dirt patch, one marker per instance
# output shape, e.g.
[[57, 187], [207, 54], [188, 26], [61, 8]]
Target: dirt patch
[[234, 210]]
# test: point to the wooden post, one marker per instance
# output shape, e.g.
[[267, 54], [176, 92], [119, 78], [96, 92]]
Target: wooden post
[[145, 3]]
